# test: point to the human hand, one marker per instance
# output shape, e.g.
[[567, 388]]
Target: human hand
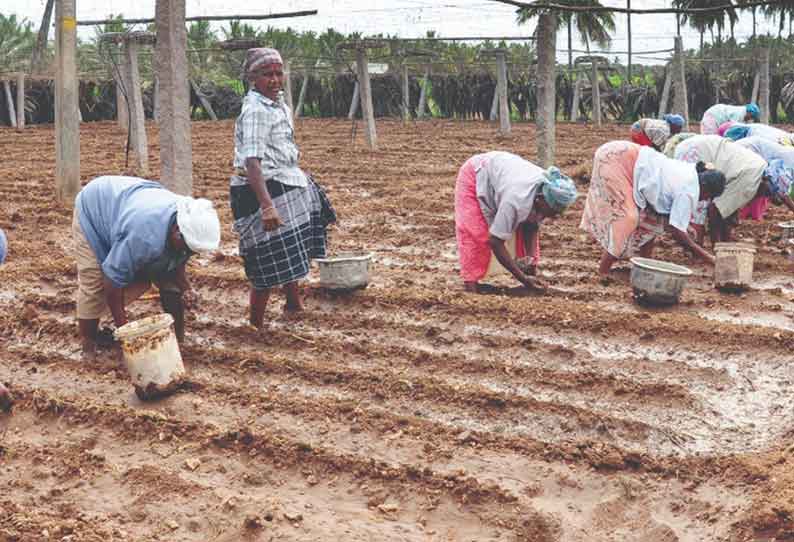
[[271, 219], [534, 283], [710, 259]]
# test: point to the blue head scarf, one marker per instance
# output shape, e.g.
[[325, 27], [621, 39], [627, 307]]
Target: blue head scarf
[[737, 132], [558, 189], [780, 177], [674, 120], [754, 111], [3, 246]]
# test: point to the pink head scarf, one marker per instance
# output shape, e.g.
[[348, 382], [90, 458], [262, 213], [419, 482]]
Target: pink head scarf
[[259, 57], [724, 127]]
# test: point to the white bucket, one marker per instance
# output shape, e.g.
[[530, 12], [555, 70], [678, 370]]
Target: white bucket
[[733, 269], [788, 230], [152, 355], [344, 271], [657, 282]]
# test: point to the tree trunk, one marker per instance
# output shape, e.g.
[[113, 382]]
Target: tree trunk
[[41, 40], [545, 119], [628, 23], [570, 46]]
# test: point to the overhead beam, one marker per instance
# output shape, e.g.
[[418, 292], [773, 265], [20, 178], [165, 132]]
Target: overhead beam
[[592, 9], [206, 18]]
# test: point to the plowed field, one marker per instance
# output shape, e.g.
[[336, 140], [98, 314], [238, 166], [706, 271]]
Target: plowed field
[[409, 410]]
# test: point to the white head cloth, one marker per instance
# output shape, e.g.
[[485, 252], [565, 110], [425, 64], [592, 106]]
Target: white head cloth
[[198, 221]]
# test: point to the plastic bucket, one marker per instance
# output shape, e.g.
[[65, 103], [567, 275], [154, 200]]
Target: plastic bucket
[[152, 355], [344, 271], [657, 282], [787, 229], [733, 269]]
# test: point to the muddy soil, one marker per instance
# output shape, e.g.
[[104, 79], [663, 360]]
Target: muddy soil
[[409, 410]]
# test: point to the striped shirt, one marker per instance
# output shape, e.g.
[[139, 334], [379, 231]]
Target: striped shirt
[[264, 130]]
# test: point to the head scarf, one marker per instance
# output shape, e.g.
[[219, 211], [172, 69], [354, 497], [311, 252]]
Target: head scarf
[[198, 222], [780, 177], [724, 127], [259, 57], [754, 111], [737, 132], [674, 120], [3, 246], [558, 189]]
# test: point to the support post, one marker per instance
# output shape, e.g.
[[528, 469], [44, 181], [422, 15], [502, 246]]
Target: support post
[[205, 103], [367, 110], [495, 103], [302, 96], [406, 95], [122, 111], [12, 114], [288, 85], [20, 101], [351, 114], [501, 85], [577, 96], [756, 83], [67, 112], [176, 151], [665, 99], [680, 101], [545, 121], [763, 95], [421, 110], [596, 94], [138, 141], [628, 23]]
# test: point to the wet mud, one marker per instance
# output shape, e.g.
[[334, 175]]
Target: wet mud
[[409, 410]]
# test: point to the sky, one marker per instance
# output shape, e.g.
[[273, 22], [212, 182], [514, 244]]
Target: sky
[[406, 19]]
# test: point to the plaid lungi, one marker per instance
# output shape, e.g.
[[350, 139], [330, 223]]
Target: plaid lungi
[[278, 257]]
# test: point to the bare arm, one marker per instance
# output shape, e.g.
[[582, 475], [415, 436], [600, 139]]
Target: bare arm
[[115, 299], [500, 251], [256, 181], [684, 239]]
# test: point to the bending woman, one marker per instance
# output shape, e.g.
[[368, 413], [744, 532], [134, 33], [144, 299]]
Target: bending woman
[[498, 195], [719, 113], [635, 192], [746, 180], [736, 131], [654, 132]]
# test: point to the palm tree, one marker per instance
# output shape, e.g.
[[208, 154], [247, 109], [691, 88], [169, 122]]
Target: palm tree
[[200, 37], [592, 26], [783, 10], [17, 40], [742, 3]]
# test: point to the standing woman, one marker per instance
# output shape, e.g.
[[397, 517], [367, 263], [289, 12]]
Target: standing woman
[[654, 132], [720, 113], [280, 213], [499, 195], [635, 192], [746, 180]]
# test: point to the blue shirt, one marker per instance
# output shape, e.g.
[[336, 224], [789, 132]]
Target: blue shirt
[[125, 221]]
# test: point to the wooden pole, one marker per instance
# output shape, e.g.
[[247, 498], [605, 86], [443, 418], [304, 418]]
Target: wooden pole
[[763, 98], [20, 101], [406, 95], [421, 109], [495, 103], [122, 87], [176, 149], [596, 94], [67, 111], [288, 85], [12, 114], [138, 141], [156, 99], [665, 100], [41, 39], [577, 96], [680, 100], [302, 96], [205, 103], [355, 101], [756, 83], [365, 92], [501, 85], [628, 23], [545, 120]]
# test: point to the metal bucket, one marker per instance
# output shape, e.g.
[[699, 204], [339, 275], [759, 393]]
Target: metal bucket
[[656, 282], [152, 355], [788, 230], [733, 269], [344, 271]]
